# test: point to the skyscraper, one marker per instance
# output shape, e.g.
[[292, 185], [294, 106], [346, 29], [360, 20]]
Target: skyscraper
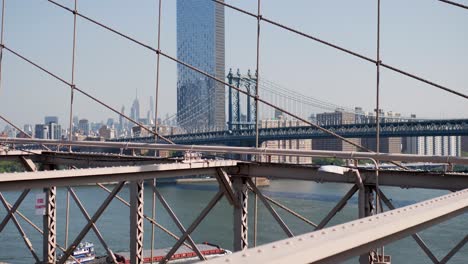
[[135, 110], [50, 119], [200, 43], [83, 126], [151, 110]]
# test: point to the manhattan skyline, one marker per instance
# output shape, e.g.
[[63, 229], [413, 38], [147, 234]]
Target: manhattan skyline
[[424, 38]]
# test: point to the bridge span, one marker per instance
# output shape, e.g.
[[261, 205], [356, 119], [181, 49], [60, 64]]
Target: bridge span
[[451, 127]]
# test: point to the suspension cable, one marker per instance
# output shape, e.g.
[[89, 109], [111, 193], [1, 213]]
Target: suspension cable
[[355, 54], [85, 93], [454, 3]]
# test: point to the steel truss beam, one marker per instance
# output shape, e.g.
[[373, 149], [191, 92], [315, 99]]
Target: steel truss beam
[[366, 209], [193, 226], [423, 245], [13, 209], [338, 207], [248, 150], [41, 179], [270, 209], [225, 184], [178, 223], [50, 227], [93, 220], [136, 222], [241, 227], [290, 211], [151, 220], [454, 250], [28, 164], [110, 254], [40, 231], [91, 160], [26, 240], [404, 179], [337, 243]]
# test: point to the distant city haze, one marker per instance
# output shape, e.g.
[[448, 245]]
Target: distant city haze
[[426, 38]]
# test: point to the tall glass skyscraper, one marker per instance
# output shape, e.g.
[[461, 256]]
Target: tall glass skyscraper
[[200, 43]]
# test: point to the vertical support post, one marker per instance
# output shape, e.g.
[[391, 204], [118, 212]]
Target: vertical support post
[[377, 99], [72, 86], [249, 114], [238, 107], [241, 241], [156, 100], [229, 77], [365, 201], [49, 222], [1, 39], [158, 58], [136, 222], [257, 158]]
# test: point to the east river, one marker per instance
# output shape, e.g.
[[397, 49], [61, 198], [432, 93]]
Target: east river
[[312, 200]]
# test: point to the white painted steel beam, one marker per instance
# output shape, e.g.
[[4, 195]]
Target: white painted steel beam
[[43, 179], [403, 179], [4, 152], [247, 150], [340, 242]]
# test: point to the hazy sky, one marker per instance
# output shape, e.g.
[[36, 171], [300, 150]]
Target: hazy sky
[[424, 37]]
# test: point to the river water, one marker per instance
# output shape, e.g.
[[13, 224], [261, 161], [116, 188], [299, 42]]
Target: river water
[[312, 200]]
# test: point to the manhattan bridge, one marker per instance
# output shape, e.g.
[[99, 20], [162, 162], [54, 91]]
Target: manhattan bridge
[[50, 165]]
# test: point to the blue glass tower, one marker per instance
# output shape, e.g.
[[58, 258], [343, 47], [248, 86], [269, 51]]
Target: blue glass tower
[[200, 43]]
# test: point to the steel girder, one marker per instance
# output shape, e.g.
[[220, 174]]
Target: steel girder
[[337, 243]]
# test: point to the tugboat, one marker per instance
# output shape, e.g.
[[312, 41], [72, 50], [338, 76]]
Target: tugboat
[[84, 253]]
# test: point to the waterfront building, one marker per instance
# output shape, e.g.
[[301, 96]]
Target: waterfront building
[[433, 145], [200, 43], [339, 117], [303, 144]]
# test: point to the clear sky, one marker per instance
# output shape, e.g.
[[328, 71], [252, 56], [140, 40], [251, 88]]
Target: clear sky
[[424, 37]]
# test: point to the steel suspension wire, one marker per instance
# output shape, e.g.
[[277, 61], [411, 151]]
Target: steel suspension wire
[[72, 86], [19, 129], [1, 41], [156, 100], [85, 93], [454, 3], [423, 80], [267, 103], [70, 132], [377, 120], [36, 65], [158, 57], [355, 54], [257, 157], [117, 112], [313, 102], [290, 92]]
